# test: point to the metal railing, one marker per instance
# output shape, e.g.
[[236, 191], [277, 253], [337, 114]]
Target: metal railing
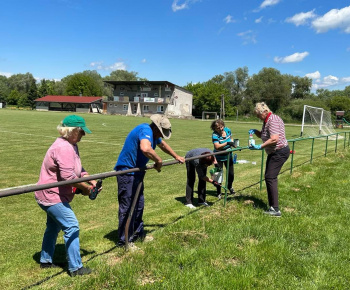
[[292, 144]]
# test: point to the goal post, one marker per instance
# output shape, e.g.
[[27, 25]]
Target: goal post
[[316, 121], [209, 115]]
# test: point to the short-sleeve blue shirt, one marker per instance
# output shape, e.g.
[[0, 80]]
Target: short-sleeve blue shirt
[[131, 155], [216, 138]]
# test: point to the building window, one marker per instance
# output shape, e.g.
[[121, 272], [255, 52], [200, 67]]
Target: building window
[[155, 95], [110, 104], [145, 108], [125, 107], [160, 109], [121, 94], [115, 105]]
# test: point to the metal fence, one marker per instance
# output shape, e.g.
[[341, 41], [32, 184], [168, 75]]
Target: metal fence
[[310, 148]]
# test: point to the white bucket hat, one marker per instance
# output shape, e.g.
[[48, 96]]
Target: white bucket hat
[[163, 125]]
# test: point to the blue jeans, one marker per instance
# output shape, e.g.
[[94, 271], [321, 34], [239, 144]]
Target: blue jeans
[[61, 217]]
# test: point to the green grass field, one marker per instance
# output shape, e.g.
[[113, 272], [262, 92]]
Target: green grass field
[[231, 247]]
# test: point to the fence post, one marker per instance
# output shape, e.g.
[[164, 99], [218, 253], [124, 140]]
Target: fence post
[[291, 160], [227, 171], [261, 168], [344, 140], [336, 143], [325, 153], [312, 149]]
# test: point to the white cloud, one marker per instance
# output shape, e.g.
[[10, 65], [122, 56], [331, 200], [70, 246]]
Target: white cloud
[[315, 75], [295, 57], [333, 19], [330, 80], [301, 18], [229, 19], [185, 5], [144, 60], [267, 3], [115, 66], [248, 37], [345, 80], [259, 20], [6, 74]]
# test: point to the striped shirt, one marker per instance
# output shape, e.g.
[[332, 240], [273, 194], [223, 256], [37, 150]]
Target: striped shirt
[[216, 138], [273, 125]]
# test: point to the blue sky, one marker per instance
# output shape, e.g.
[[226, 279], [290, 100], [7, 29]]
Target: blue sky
[[180, 41]]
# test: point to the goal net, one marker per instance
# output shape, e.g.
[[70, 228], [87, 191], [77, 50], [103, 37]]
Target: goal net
[[209, 115], [316, 121]]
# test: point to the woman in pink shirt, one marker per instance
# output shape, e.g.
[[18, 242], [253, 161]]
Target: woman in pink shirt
[[62, 162]]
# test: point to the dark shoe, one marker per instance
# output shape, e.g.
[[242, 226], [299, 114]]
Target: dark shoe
[[80, 272], [273, 212], [232, 191], [48, 265]]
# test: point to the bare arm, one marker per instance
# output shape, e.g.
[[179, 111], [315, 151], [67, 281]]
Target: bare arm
[[147, 150], [167, 149], [271, 142]]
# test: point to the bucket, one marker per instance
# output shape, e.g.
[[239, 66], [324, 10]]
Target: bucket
[[216, 174]]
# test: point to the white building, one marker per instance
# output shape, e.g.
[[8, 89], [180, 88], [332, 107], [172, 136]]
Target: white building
[[140, 98]]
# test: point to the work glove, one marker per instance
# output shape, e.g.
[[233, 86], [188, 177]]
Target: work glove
[[252, 131], [231, 144], [216, 184], [255, 147]]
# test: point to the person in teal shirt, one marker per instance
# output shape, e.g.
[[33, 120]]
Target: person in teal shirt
[[222, 140]]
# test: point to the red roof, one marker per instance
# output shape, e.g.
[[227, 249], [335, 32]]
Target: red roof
[[69, 99]]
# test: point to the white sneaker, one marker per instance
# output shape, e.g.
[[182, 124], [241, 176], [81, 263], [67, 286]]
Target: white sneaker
[[190, 206], [203, 203]]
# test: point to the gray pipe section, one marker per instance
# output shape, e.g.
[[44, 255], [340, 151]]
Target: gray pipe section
[[32, 188]]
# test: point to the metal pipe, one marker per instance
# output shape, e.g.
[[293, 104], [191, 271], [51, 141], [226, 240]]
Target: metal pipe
[[30, 188]]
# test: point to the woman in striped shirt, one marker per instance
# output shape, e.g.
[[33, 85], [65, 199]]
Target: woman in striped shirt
[[276, 146]]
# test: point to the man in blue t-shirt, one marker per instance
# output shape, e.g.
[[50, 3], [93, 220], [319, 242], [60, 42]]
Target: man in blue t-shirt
[[138, 148]]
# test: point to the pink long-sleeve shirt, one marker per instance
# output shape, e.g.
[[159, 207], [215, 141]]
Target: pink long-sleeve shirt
[[61, 162]]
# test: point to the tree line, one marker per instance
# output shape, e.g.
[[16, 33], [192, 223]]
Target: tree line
[[285, 94], [22, 89]]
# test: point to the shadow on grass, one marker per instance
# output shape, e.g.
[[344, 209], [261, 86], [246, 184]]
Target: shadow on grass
[[59, 260], [59, 256]]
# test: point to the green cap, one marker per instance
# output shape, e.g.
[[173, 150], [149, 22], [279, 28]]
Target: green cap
[[75, 121]]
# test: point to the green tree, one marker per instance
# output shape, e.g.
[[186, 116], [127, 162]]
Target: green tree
[[269, 86], [13, 97], [301, 87], [122, 75], [207, 97], [339, 103], [4, 88], [82, 84], [21, 82], [32, 95]]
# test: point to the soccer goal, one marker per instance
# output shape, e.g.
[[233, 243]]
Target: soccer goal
[[316, 121], [209, 115]]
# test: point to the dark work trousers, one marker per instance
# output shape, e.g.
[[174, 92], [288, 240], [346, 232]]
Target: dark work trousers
[[274, 164], [127, 185], [230, 174], [191, 178]]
